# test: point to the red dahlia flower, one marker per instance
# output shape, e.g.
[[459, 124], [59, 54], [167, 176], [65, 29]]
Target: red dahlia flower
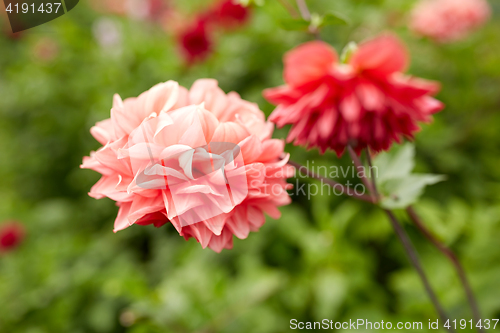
[[366, 102]]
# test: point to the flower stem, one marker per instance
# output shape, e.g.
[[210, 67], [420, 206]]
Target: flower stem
[[412, 255], [452, 257], [372, 173], [304, 11], [345, 189], [306, 15], [400, 232], [361, 170], [293, 12]]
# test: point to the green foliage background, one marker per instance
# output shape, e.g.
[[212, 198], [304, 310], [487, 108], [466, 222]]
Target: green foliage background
[[327, 257]]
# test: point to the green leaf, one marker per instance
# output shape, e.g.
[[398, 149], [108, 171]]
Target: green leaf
[[334, 18], [294, 24], [398, 186], [405, 191], [395, 164]]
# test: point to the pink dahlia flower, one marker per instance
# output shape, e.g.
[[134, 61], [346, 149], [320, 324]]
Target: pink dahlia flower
[[201, 160], [449, 20], [366, 102]]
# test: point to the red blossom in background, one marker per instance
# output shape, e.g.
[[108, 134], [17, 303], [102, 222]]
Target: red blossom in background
[[46, 49], [156, 9], [195, 42], [11, 235], [230, 14], [195, 39], [367, 102], [449, 20]]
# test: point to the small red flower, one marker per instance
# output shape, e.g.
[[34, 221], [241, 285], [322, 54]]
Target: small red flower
[[195, 42], [230, 14], [11, 235], [156, 9], [366, 102]]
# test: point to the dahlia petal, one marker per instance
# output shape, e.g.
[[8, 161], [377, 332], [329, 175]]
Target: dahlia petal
[[142, 206], [429, 105], [186, 162], [108, 157], [182, 98], [256, 174], [117, 102], [216, 224], [123, 182], [162, 97], [199, 189], [271, 210], [103, 131], [217, 243], [123, 123], [370, 96], [93, 164], [122, 221], [254, 123], [251, 149], [308, 62], [208, 91], [183, 118], [297, 129], [271, 150], [141, 151], [255, 217], [181, 204], [350, 108], [158, 219], [209, 124], [412, 87], [200, 121], [282, 95], [239, 225], [106, 187], [177, 225], [381, 56], [230, 132], [200, 232], [163, 122], [326, 123], [159, 170]]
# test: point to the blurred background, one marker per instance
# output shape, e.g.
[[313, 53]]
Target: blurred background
[[62, 269]]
